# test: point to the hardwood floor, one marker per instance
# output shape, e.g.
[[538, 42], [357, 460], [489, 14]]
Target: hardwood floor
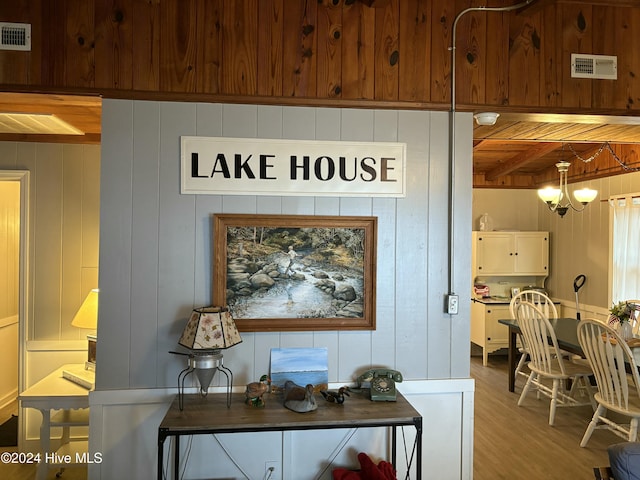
[[512, 442]]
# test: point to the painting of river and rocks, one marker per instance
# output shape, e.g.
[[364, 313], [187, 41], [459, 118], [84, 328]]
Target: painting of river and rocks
[[294, 272]]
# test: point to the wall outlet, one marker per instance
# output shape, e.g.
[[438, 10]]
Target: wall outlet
[[272, 470], [452, 304]]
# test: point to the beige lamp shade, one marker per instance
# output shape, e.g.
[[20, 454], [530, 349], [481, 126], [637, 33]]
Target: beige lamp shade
[[87, 314], [585, 195], [210, 328]]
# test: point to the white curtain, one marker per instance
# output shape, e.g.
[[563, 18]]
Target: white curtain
[[626, 248]]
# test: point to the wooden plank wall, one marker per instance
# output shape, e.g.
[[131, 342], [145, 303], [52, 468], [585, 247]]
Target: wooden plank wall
[[326, 52]]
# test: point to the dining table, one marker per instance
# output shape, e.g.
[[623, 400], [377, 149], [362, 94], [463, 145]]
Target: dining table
[[566, 334]]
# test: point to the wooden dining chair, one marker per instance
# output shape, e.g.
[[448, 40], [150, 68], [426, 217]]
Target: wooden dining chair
[[543, 302], [617, 378], [547, 363], [539, 299]]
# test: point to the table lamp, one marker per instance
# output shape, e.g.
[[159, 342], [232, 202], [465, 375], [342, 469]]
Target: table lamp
[[87, 317], [208, 331]]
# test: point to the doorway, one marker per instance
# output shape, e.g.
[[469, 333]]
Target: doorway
[[14, 195]]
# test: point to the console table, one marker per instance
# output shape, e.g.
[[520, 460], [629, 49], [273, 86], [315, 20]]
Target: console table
[[210, 415]]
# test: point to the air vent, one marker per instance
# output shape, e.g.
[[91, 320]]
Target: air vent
[[15, 36], [594, 66]]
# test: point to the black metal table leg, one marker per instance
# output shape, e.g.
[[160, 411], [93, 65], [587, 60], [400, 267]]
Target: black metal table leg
[[393, 446], [511, 352], [161, 439], [176, 459], [418, 423]]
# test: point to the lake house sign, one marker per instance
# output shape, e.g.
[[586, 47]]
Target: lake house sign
[[247, 166]]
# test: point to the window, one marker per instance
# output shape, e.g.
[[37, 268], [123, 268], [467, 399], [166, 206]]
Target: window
[[626, 248]]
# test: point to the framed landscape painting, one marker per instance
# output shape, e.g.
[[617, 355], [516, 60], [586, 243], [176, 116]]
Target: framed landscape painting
[[296, 272]]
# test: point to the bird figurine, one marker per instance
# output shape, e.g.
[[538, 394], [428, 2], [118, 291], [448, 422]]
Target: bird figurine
[[255, 391], [335, 397], [299, 399]]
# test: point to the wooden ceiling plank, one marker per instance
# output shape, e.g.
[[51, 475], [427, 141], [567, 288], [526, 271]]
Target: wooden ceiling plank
[[608, 133], [535, 6], [538, 5], [557, 132], [540, 149], [82, 112]]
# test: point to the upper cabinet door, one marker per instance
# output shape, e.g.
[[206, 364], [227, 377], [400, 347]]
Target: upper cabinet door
[[532, 253], [495, 254], [511, 253]]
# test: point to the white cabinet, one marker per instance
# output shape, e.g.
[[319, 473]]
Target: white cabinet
[[510, 253], [486, 332]]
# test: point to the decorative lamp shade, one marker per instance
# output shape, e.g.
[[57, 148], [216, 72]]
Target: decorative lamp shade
[[210, 328], [87, 314], [585, 195]]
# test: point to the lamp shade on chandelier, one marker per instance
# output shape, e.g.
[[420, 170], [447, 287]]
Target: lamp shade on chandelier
[[554, 197]]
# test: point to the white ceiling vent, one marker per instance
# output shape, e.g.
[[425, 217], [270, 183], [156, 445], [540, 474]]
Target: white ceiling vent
[[594, 66], [15, 36]]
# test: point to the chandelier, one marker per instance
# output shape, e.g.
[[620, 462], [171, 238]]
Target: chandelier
[[554, 197]]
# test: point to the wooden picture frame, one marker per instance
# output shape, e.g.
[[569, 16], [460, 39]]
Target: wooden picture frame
[[296, 272]]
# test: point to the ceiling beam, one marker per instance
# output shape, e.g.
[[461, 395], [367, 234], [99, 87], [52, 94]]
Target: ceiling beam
[[86, 139], [539, 150]]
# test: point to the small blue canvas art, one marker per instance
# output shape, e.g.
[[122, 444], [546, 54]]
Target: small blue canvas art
[[300, 365]]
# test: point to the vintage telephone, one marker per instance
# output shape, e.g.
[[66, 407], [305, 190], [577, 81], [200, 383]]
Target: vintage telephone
[[381, 382]]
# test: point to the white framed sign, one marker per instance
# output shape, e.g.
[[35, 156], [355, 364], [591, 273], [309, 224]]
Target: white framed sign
[[251, 166]]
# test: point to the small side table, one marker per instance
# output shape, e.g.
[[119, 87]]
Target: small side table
[[54, 392]]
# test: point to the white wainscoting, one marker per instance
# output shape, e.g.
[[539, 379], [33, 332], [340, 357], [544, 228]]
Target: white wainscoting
[[446, 407], [586, 311]]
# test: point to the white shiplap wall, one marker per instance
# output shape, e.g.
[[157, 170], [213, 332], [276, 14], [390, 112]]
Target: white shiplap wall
[[156, 262], [63, 231]]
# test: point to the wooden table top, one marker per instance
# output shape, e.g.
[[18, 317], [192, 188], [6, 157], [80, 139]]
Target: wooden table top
[[210, 414]]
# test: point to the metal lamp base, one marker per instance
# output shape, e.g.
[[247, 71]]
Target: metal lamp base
[[205, 365]]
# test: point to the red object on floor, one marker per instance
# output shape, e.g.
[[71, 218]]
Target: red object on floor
[[368, 470]]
